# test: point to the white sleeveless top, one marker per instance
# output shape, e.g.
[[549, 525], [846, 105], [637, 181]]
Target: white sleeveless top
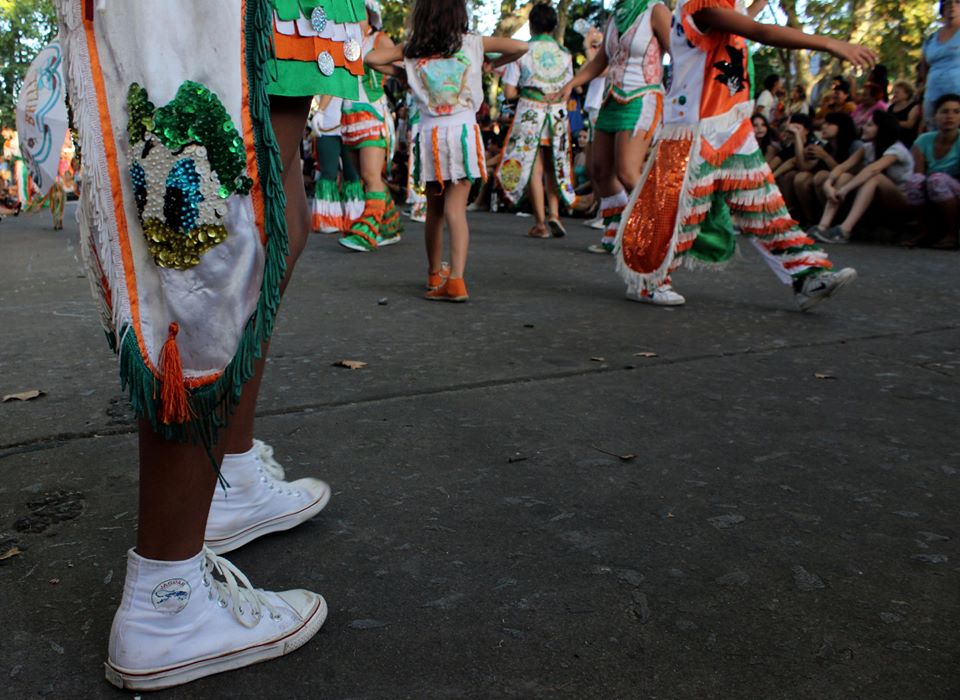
[[635, 59], [448, 86], [546, 66]]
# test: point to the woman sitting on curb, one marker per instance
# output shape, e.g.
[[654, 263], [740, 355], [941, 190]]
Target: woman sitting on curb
[[887, 165], [934, 188]]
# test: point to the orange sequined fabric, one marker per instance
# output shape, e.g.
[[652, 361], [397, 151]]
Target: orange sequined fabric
[[648, 231]]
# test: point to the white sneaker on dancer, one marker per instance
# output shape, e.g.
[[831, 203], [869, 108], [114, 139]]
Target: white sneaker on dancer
[[664, 295], [258, 500], [177, 622], [816, 288], [595, 223]]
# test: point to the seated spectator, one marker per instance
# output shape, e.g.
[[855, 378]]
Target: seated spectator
[[767, 137], [887, 165], [767, 102], [839, 141], [838, 100], [871, 100], [879, 76], [933, 190], [792, 158], [907, 110], [797, 104]]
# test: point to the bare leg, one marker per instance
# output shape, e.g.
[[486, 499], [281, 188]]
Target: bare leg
[[535, 189], [177, 480], [889, 195], [831, 209], [455, 213], [629, 153], [288, 115], [604, 166], [433, 229], [371, 161], [553, 197]]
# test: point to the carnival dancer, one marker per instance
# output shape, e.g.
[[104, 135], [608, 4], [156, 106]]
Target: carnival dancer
[[539, 138], [632, 108], [189, 294], [367, 129], [708, 154], [443, 63], [338, 195]]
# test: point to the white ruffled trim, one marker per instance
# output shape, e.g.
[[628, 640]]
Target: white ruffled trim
[[98, 227]]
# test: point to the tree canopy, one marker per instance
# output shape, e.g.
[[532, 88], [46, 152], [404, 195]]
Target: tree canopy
[[26, 26]]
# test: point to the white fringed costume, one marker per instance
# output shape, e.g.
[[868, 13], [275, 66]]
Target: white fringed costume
[[182, 208]]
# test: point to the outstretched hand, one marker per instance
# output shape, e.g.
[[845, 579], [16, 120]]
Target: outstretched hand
[[859, 56]]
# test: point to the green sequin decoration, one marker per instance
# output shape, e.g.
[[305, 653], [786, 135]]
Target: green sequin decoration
[[194, 124]]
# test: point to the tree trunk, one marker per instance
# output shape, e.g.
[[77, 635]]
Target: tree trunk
[[512, 17]]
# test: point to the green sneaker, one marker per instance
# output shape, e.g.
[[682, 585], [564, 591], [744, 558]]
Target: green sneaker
[[357, 242]]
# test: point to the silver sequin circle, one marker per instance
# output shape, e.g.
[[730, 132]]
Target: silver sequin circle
[[318, 19], [325, 63], [351, 50]]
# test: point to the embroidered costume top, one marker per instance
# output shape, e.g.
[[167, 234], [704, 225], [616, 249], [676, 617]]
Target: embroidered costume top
[[544, 69], [447, 86], [633, 52], [710, 83], [317, 47], [446, 94]]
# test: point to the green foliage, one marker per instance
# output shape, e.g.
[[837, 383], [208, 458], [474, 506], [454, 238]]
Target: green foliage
[[26, 26], [894, 29]]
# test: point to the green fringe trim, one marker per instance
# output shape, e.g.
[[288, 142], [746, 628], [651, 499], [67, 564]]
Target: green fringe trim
[[352, 190], [211, 405], [749, 161], [466, 152], [327, 190]]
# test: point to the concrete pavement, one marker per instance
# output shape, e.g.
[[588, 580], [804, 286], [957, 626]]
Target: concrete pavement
[[787, 527]]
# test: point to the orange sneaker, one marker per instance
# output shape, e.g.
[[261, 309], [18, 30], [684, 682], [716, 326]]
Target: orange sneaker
[[436, 279], [453, 289]]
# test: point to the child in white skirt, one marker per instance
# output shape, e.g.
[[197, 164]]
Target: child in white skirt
[[443, 63]]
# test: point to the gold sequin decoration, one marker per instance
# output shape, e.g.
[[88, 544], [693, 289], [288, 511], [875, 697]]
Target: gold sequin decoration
[[177, 251]]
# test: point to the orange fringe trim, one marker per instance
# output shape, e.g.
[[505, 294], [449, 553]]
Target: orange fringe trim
[[701, 41], [435, 140], [716, 156], [481, 161]]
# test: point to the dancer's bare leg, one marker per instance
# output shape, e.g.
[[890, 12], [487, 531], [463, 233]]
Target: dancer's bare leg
[[288, 115], [433, 228]]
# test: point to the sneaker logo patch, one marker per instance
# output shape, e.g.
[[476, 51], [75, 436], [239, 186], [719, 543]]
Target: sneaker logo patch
[[171, 596]]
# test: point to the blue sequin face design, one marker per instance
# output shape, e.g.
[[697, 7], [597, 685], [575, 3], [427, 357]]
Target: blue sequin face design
[[139, 177], [182, 196]]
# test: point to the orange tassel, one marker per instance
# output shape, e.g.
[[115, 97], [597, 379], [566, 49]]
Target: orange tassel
[[174, 407], [436, 157]]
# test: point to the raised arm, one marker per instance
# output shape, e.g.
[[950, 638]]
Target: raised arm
[[509, 49], [660, 22], [385, 58], [732, 22]]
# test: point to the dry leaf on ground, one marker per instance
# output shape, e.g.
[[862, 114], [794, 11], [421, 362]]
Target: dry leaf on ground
[[12, 552], [350, 364], [823, 375], [645, 354], [23, 395]]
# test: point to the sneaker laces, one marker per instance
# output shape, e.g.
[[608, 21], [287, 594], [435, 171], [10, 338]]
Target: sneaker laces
[[235, 588], [271, 466], [271, 472]]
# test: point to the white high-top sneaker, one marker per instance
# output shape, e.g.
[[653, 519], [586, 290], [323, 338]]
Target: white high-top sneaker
[[258, 500], [177, 622]]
